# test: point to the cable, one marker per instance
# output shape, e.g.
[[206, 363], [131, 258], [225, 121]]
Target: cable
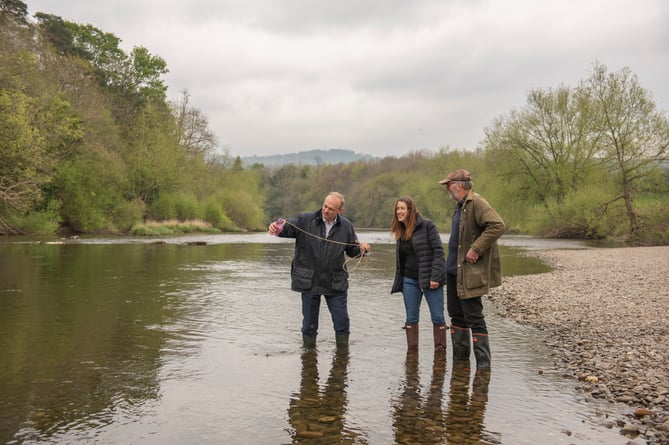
[[358, 257]]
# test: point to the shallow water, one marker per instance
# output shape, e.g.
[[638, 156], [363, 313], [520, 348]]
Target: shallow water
[[130, 341]]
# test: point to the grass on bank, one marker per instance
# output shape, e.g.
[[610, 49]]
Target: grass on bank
[[173, 227]]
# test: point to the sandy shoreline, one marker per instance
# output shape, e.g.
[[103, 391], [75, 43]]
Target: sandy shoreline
[[604, 312]]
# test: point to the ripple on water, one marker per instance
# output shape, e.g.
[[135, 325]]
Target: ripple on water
[[210, 351]]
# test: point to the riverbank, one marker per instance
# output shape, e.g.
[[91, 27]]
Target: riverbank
[[604, 313]]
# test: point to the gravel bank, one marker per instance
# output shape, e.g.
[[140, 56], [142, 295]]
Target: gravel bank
[[605, 313]]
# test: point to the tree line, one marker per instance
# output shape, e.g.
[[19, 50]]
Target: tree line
[[90, 143]]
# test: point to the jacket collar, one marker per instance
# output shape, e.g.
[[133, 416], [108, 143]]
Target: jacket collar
[[319, 216], [468, 197]]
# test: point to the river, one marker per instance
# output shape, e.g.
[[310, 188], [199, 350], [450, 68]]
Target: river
[[195, 339]]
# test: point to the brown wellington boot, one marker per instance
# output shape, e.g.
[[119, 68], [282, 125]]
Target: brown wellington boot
[[439, 332], [412, 337]]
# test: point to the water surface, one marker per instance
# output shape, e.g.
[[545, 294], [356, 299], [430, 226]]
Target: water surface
[[128, 341]]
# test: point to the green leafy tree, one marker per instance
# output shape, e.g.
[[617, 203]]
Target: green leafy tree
[[58, 32], [153, 157], [13, 10], [283, 190], [633, 136], [214, 214], [135, 78], [549, 142], [22, 149], [242, 208], [141, 74], [100, 49], [432, 200], [241, 199], [375, 200], [88, 188], [175, 205], [546, 151], [36, 121]]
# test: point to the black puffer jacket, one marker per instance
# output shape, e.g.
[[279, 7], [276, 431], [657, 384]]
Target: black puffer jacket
[[429, 250], [318, 265]]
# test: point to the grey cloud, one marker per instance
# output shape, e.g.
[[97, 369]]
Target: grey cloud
[[377, 76]]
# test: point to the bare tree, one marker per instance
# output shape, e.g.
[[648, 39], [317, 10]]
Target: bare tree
[[192, 127]]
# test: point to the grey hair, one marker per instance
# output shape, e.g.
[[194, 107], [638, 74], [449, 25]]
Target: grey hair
[[467, 185]]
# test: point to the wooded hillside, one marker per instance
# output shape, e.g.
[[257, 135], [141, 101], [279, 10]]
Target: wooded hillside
[[90, 143]]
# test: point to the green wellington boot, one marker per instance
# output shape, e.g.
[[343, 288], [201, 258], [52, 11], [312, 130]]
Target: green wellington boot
[[342, 342], [309, 341]]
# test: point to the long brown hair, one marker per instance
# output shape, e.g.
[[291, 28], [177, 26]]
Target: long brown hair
[[400, 229]]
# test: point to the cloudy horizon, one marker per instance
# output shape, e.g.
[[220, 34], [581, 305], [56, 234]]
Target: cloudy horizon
[[377, 77]]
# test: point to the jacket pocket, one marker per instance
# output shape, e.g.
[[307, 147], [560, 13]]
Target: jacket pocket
[[339, 281], [302, 278], [475, 275]]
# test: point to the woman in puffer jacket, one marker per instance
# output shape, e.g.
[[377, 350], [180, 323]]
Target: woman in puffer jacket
[[420, 270]]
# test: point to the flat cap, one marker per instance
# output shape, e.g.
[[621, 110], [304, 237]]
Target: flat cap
[[456, 175]]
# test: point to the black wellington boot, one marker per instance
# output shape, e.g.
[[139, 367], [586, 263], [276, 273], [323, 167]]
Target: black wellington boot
[[461, 339], [481, 351]]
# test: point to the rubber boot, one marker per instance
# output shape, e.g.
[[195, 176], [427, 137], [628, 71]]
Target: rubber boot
[[439, 333], [477, 406], [431, 418], [460, 337], [342, 342], [481, 351], [309, 341], [412, 337]]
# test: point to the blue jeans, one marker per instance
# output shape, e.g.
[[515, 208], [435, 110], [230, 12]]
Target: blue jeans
[[412, 298], [337, 304]]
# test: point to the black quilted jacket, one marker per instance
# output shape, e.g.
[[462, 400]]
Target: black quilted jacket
[[429, 250]]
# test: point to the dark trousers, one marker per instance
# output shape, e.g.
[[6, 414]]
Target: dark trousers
[[337, 304], [464, 312]]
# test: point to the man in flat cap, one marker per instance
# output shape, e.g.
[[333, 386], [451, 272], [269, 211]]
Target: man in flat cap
[[472, 266]]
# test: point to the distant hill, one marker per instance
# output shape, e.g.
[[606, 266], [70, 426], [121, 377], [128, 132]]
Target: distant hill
[[311, 157]]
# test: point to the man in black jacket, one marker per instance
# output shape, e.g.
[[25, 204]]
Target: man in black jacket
[[322, 239]]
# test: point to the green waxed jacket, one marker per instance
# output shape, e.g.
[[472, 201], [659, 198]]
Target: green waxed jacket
[[480, 228]]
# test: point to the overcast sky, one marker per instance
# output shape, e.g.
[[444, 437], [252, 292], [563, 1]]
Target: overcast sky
[[372, 76]]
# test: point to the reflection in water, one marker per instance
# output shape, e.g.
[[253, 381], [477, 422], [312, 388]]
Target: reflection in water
[[419, 418], [76, 340], [84, 334], [161, 344], [466, 411], [317, 415], [416, 420]]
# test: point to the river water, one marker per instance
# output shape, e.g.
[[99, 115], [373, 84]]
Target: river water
[[196, 340]]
